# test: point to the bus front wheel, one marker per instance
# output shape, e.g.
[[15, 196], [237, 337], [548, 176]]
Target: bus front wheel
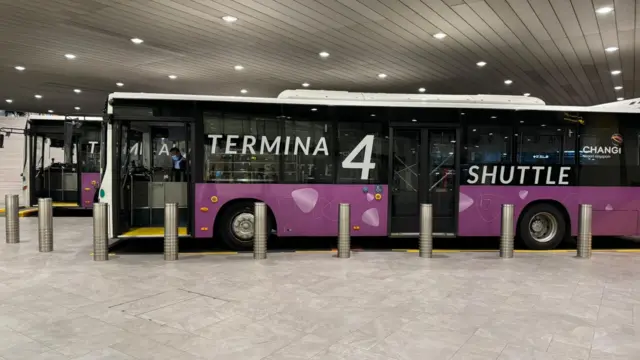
[[542, 227], [237, 224]]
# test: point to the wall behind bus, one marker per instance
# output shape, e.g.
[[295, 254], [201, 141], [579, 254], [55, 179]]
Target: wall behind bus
[[11, 158]]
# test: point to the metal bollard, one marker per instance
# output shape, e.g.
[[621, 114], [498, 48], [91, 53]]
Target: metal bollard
[[344, 231], [100, 234], [506, 232], [584, 231], [171, 231], [45, 225], [12, 220], [260, 231], [426, 231]]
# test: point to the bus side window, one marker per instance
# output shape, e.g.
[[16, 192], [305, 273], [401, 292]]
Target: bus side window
[[310, 132], [545, 138], [488, 137], [362, 131]]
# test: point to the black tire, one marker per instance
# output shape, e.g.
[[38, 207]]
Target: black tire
[[543, 210], [225, 223]]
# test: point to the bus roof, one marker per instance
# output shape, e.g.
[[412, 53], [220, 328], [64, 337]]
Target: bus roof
[[345, 98], [65, 117]]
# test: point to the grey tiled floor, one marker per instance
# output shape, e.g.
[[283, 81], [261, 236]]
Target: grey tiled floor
[[62, 305]]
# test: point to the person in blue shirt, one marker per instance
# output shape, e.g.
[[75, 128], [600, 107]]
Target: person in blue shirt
[[179, 165]]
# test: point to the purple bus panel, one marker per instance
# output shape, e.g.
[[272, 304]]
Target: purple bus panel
[[615, 209], [90, 183], [300, 210]]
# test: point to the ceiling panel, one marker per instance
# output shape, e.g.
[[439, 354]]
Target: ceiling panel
[[553, 49]]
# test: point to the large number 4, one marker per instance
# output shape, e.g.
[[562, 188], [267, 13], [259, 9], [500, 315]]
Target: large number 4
[[365, 165]]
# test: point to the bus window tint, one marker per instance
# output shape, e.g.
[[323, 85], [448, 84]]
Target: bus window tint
[[89, 149], [363, 145], [242, 147], [603, 144], [488, 137], [309, 133], [601, 141], [539, 145]]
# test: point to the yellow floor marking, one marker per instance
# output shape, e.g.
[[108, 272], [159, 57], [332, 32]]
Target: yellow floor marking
[[151, 232], [64, 204], [210, 253], [315, 251], [23, 213]]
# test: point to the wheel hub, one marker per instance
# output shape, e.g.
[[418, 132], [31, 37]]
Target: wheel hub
[[242, 226], [543, 227]]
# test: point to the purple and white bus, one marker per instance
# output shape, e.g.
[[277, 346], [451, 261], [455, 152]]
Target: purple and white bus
[[305, 152], [62, 160]]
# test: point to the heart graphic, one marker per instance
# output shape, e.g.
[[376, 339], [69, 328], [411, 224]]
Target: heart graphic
[[371, 217], [608, 207], [464, 203], [523, 194], [369, 197], [306, 199]]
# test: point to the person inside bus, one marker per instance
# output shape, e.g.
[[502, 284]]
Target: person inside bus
[[179, 167]]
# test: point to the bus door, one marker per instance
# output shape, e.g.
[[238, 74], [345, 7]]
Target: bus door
[[424, 164], [153, 173]]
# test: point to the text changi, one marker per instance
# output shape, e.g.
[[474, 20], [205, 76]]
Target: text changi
[[248, 144], [600, 152], [518, 175]]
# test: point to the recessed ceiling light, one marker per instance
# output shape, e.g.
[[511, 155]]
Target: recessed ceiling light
[[314, 109], [414, 120], [440, 35], [481, 63], [119, 84], [20, 68], [9, 101], [526, 94], [172, 77], [382, 76], [77, 91], [616, 72], [70, 56], [508, 82], [373, 115], [244, 91], [604, 10], [230, 19], [50, 111], [77, 107], [611, 49], [620, 99], [324, 54], [137, 41], [422, 90], [238, 67], [618, 88], [306, 84], [37, 96]]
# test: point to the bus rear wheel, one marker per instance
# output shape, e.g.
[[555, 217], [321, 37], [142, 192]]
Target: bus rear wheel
[[236, 225], [542, 227]]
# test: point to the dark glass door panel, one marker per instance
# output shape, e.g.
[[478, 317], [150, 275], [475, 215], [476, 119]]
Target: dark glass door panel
[[423, 171], [405, 180], [441, 167]]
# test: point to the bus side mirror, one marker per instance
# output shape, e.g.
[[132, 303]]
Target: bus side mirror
[[1, 141]]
